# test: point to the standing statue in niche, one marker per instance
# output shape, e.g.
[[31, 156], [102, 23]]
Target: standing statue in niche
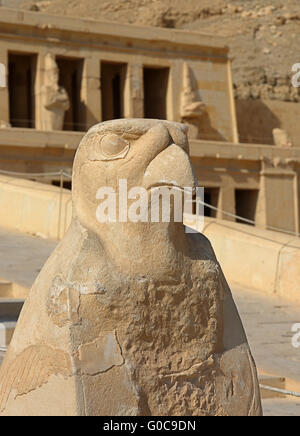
[[55, 100], [192, 108], [130, 318]]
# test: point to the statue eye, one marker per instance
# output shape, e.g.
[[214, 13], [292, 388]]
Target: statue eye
[[112, 146], [107, 147]]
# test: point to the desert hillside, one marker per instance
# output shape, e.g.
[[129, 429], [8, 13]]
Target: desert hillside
[[264, 35]]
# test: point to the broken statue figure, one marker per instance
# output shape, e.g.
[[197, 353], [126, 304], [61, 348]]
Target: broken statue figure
[[54, 97]]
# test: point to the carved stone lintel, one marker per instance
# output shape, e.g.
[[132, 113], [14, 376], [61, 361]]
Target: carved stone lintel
[[278, 165]]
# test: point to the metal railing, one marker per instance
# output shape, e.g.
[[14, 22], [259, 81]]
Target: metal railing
[[280, 391], [62, 174], [246, 220]]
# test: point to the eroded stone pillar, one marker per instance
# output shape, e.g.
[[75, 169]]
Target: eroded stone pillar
[[90, 91], [134, 91], [227, 201]]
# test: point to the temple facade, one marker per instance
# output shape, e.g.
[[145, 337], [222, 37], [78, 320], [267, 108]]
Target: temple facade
[[64, 75]]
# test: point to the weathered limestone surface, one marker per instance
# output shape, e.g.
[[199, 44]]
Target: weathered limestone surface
[[129, 318], [281, 138]]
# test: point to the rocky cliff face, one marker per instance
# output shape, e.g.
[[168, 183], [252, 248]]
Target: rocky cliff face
[[264, 36], [261, 86]]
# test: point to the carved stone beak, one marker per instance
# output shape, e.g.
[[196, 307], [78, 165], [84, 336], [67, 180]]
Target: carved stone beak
[[171, 167]]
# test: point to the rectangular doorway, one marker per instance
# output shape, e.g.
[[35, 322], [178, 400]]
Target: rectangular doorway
[[21, 86], [113, 77], [211, 197], [246, 204], [156, 83], [70, 78]]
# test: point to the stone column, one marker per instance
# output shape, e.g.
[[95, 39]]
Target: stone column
[[235, 134], [173, 96], [134, 91], [40, 75], [226, 201], [4, 95], [90, 91]]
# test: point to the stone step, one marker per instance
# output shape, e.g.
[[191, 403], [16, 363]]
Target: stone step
[[273, 382], [10, 308], [7, 329]]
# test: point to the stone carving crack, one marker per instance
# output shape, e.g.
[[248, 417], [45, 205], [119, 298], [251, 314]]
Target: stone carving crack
[[193, 370], [101, 355]]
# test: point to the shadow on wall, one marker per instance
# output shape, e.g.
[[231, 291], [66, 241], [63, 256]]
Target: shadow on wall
[[194, 110], [207, 131], [255, 122]]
